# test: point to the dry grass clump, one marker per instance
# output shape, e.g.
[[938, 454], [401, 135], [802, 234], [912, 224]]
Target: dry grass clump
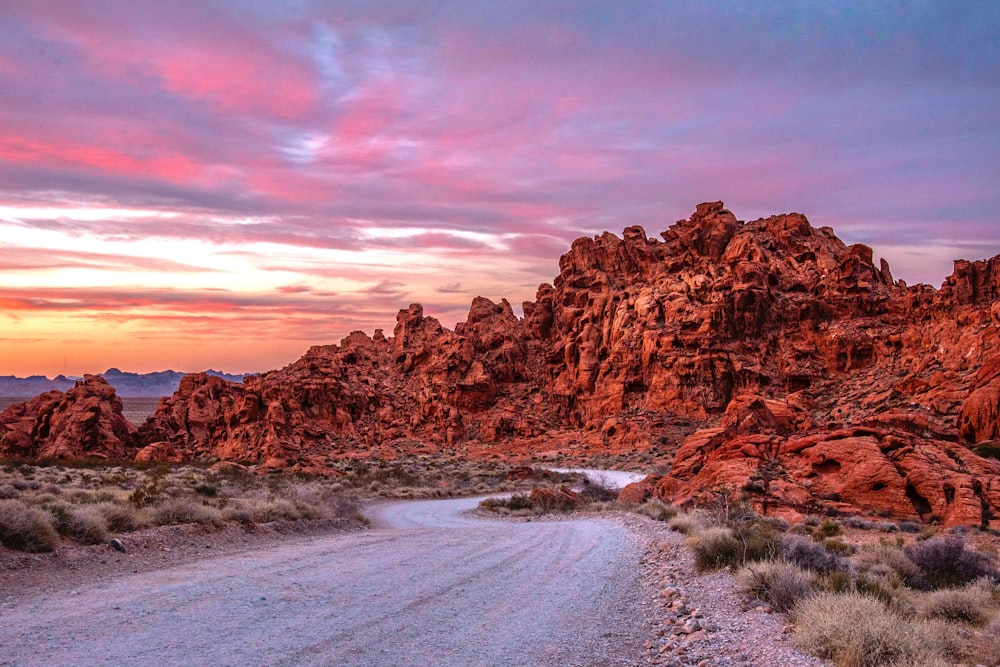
[[779, 583], [26, 528], [888, 563], [657, 511], [688, 523], [714, 548], [810, 555], [175, 511], [85, 523], [855, 630], [973, 604], [90, 504], [744, 540], [945, 561]]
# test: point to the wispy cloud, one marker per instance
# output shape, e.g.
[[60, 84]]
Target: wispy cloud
[[308, 166]]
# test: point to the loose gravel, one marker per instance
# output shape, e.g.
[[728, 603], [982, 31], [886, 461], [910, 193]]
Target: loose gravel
[[702, 619]]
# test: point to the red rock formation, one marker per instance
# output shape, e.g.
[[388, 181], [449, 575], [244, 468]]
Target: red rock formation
[[86, 421], [772, 350]]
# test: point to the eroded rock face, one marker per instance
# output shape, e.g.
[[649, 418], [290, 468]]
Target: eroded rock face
[[766, 359], [85, 421]]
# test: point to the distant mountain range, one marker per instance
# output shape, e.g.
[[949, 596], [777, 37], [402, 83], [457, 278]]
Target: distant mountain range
[[132, 385]]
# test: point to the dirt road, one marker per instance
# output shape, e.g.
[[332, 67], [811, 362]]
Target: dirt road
[[427, 586]]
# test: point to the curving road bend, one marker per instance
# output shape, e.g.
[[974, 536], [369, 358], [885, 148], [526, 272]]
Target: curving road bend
[[428, 586]]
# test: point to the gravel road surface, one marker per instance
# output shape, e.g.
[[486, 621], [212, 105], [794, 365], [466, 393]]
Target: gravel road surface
[[427, 586]]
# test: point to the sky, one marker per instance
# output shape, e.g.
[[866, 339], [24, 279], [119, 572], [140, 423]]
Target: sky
[[202, 184]]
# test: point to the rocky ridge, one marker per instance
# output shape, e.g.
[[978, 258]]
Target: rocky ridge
[[766, 360]]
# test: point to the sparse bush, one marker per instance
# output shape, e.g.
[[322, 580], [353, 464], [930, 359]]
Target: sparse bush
[[759, 538], [687, 522], [179, 510], [839, 546], [657, 511], [519, 501], [859, 523], [779, 583], [890, 564], [207, 490], [811, 556], [26, 528], [911, 527], [855, 630], [972, 604], [829, 528], [85, 523], [119, 518], [597, 492], [715, 548], [946, 562]]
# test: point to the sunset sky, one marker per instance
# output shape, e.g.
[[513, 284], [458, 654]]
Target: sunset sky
[[198, 185]]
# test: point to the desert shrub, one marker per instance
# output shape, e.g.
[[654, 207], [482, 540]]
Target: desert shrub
[[181, 510], [829, 528], [855, 630], [85, 523], [779, 583], [657, 511], [759, 538], [839, 546], [889, 563], [119, 518], [687, 522], [274, 509], [597, 492], [519, 501], [945, 562], [972, 604], [207, 490], [859, 523], [810, 555], [715, 548], [911, 527], [26, 528]]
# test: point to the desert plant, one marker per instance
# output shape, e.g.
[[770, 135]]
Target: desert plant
[[972, 604], [945, 561], [714, 548], [118, 517], [759, 538], [810, 555], [889, 563], [85, 523], [829, 528], [657, 511], [26, 528], [687, 522], [181, 510], [855, 630], [598, 492], [519, 501], [779, 583]]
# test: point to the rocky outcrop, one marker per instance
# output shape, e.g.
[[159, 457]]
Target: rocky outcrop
[[765, 359], [85, 421]]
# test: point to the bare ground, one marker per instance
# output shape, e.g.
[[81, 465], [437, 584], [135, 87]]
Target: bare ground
[[428, 585]]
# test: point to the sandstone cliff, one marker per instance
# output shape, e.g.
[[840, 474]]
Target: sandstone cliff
[[766, 359], [85, 421]]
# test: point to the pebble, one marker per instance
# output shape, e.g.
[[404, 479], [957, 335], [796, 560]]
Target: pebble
[[704, 622]]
